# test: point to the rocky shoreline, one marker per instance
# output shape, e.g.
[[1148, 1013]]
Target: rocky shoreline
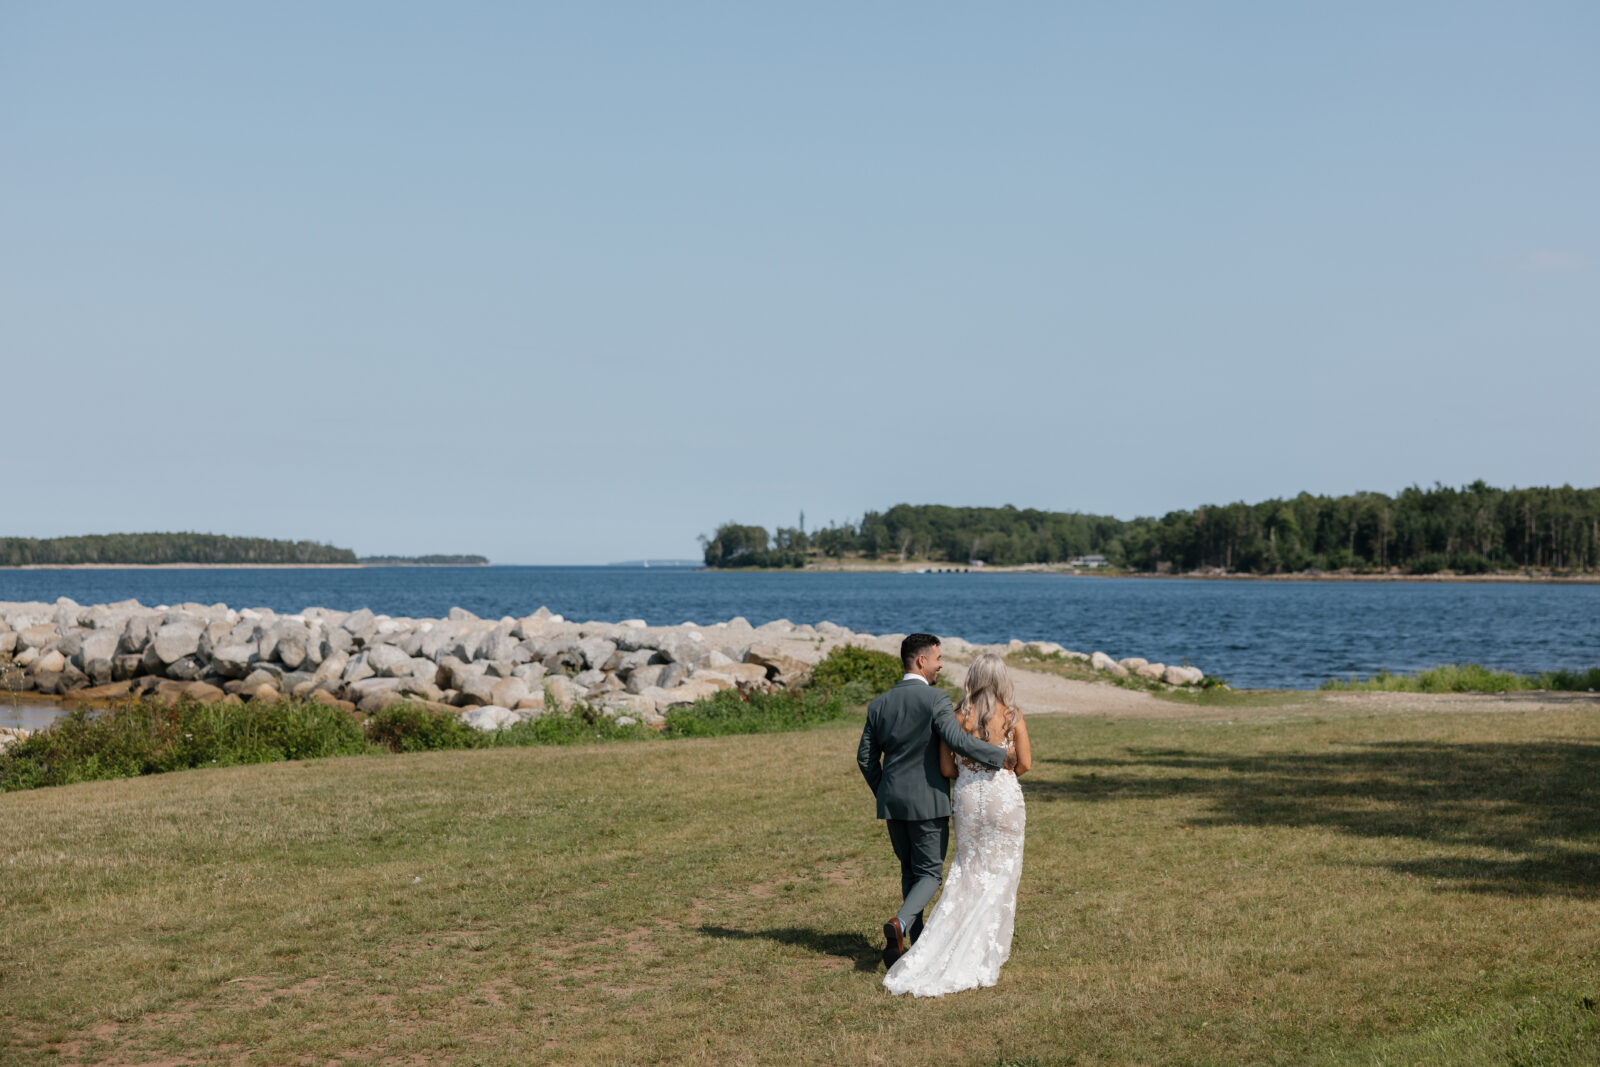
[[491, 672]]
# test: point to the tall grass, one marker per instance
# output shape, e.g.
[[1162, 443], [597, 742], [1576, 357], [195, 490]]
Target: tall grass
[[135, 739], [733, 712], [1470, 678]]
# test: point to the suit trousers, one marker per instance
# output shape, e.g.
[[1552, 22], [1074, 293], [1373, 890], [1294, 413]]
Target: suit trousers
[[920, 845]]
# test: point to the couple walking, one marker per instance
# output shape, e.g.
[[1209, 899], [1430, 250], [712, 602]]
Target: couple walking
[[913, 743]]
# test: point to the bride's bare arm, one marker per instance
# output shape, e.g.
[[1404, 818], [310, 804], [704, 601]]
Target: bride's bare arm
[[1019, 736], [947, 760]]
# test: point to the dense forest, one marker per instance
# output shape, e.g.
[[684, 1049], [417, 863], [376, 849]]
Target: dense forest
[[149, 548], [1472, 530]]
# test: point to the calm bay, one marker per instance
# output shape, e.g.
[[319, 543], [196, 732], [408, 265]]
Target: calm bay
[[1255, 634]]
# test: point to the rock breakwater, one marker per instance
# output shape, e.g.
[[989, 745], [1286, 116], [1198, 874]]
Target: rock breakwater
[[492, 672]]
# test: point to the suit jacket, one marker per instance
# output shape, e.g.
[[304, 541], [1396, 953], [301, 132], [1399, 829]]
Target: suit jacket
[[903, 730]]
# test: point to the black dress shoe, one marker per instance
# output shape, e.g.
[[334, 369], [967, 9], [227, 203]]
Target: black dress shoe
[[894, 936]]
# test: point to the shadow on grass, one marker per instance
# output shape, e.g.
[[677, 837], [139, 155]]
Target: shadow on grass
[[1537, 801], [851, 946]]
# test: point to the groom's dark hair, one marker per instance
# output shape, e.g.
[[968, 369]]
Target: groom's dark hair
[[912, 647]]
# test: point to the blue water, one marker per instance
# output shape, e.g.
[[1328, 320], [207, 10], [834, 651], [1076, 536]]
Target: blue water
[[1254, 634]]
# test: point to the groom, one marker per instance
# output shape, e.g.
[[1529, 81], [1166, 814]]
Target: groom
[[899, 755]]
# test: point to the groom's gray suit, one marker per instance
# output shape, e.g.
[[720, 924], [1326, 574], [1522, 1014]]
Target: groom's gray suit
[[899, 755]]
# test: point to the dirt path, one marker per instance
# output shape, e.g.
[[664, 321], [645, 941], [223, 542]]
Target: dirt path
[[1049, 694], [1040, 693]]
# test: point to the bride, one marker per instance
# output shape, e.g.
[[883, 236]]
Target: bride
[[968, 936]]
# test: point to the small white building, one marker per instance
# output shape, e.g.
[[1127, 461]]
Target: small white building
[[1087, 561]]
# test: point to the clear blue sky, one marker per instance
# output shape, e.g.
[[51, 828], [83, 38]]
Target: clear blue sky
[[574, 283]]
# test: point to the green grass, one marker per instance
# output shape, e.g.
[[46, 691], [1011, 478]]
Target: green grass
[[1470, 678], [1418, 889]]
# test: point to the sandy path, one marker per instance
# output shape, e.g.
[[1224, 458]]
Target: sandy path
[[1049, 694]]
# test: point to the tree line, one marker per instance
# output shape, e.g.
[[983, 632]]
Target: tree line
[[1472, 530], [152, 548]]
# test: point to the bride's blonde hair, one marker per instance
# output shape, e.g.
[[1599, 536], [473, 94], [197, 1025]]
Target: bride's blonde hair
[[988, 687]]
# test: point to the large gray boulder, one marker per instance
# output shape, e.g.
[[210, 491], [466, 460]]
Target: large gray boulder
[[782, 668], [233, 660], [331, 668], [476, 689], [337, 639], [136, 633], [95, 652], [357, 621], [213, 634], [498, 644], [532, 673], [564, 691], [1102, 662], [422, 667], [358, 668], [465, 647], [508, 692], [632, 661], [263, 674], [50, 661], [186, 669], [642, 678], [175, 640], [632, 638], [42, 635], [596, 652], [388, 661], [290, 639], [424, 688], [71, 641], [436, 642], [1176, 675], [564, 661], [685, 648]]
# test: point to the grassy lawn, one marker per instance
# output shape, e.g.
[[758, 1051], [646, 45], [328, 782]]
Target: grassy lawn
[[1357, 890]]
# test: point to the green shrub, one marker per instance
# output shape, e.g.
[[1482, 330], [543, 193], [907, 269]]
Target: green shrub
[[582, 725], [138, 738], [875, 672], [412, 728], [735, 712], [1579, 681], [1470, 678]]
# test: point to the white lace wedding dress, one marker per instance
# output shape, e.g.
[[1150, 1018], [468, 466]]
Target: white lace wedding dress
[[968, 936]]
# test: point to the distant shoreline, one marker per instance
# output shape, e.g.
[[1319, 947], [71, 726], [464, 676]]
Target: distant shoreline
[[1086, 572], [201, 566]]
